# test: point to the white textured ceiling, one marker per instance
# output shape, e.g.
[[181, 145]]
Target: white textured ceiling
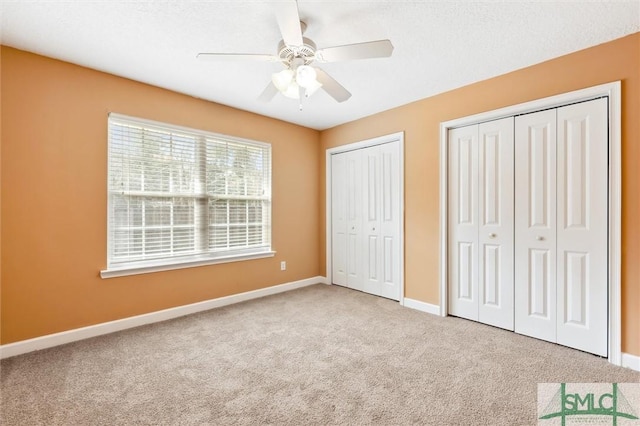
[[439, 45]]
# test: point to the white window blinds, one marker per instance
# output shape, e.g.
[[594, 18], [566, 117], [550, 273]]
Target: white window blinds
[[179, 195]]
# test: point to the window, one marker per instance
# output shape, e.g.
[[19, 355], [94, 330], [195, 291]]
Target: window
[[182, 197]]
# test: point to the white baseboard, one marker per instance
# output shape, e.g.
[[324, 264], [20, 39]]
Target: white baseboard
[[56, 339], [421, 306], [631, 361]]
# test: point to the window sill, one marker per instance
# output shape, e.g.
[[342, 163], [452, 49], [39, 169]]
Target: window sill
[[149, 268]]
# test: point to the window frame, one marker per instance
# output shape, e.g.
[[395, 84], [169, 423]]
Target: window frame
[[197, 258]]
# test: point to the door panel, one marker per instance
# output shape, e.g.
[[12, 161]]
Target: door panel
[[346, 211], [371, 185], [575, 288], [539, 282], [372, 258], [390, 185], [338, 221], [390, 220], [495, 229], [354, 219], [353, 272], [491, 278], [466, 173], [390, 260], [462, 233], [541, 167], [582, 226], [382, 221], [466, 265], [535, 225]]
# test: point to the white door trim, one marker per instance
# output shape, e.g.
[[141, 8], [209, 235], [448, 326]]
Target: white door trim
[[613, 91], [393, 137]]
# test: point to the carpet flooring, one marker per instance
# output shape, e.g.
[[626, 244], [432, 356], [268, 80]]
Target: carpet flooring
[[320, 355]]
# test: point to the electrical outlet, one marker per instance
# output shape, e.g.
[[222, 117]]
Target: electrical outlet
[[283, 266]]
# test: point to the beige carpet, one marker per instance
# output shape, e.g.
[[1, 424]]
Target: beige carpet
[[315, 356]]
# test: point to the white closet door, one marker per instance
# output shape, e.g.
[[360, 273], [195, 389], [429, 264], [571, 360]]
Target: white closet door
[[495, 206], [366, 222], [463, 222], [535, 225], [381, 220], [338, 220], [353, 177], [582, 226]]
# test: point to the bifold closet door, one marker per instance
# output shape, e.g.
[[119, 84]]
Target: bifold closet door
[[480, 230], [339, 220], [463, 222], [346, 208], [535, 225], [561, 225], [582, 280], [381, 220], [495, 223], [366, 225]]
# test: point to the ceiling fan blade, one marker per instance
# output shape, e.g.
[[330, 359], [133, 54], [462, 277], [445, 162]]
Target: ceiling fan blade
[[331, 86], [366, 50], [289, 22], [237, 57], [268, 93]]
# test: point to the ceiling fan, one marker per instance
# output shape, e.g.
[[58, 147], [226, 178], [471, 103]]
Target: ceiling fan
[[299, 79]]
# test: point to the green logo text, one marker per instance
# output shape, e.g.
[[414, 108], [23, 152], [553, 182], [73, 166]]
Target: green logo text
[[564, 404]]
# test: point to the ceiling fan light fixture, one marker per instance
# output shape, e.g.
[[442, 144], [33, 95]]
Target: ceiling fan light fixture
[[289, 82], [283, 80], [306, 76], [292, 91]]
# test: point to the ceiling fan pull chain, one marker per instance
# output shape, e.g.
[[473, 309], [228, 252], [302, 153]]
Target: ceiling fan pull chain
[[301, 96]]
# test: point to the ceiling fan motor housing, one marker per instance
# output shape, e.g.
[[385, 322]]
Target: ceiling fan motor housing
[[306, 52]]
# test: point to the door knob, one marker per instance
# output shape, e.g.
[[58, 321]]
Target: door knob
[[540, 238], [492, 235]]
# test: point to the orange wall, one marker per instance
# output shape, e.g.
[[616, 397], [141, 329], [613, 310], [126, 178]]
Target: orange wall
[[616, 60], [54, 204], [53, 186]]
